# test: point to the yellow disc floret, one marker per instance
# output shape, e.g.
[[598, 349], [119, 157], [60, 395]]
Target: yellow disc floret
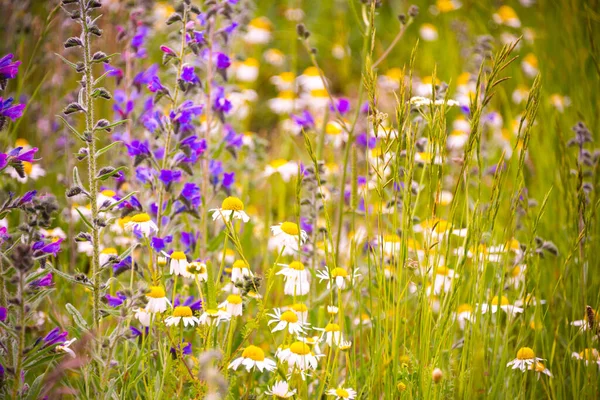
[[232, 204], [156, 292], [142, 217], [525, 353], [254, 353], [290, 228], [182, 311]]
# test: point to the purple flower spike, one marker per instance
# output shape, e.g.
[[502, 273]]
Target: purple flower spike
[[46, 280], [115, 301], [8, 69], [3, 314]]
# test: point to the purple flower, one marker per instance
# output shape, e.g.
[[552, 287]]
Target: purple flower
[[188, 74], [7, 110], [113, 72], [137, 41], [304, 121], [55, 336], [232, 138], [138, 148], [46, 280], [228, 179], [27, 197], [190, 302], [342, 105], [122, 105], [222, 61], [8, 69], [186, 350], [191, 193], [50, 248], [364, 140], [168, 51], [3, 314], [160, 244], [168, 176], [155, 86], [306, 225], [4, 236], [115, 301], [122, 266], [189, 240], [199, 37], [3, 161], [16, 154], [144, 174], [221, 103], [145, 77]]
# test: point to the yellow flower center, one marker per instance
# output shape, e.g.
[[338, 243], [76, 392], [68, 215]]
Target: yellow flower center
[[196, 268], [251, 62], [178, 255], [332, 328], [20, 142], [287, 77], [502, 301], [516, 271], [232, 204], [290, 228], [182, 311], [261, 23], [394, 74], [322, 93], [464, 308], [299, 348], [123, 221], [525, 353], [531, 59], [299, 307], [240, 264], [108, 193], [27, 167], [254, 353], [297, 265], [311, 71], [234, 299], [339, 392], [211, 312], [507, 13], [539, 367], [289, 317], [156, 292], [109, 250], [589, 354], [339, 272], [442, 270], [286, 95], [142, 217], [333, 128], [280, 162], [391, 238]]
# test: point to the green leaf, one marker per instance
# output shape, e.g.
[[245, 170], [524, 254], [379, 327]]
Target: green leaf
[[79, 321], [106, 148], [69, 63], [84, 219], [114, 124], [73, 130]]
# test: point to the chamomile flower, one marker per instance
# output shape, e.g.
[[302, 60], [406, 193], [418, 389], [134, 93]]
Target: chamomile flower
[[179, 264], [213, 317], [525, 358], [428, 32], [66, 347], [540, 369], [284, 81], [253, 357], [233, 305], [299, 357], [284, 103], [444, 6], [182, 313], [247, 71], [231, 208], [342, 393], [259, 31], [296, 279], [286, 169], [287, 319], [464, 313], [530, 65], [274, 57], [107, 254], [240, 270], [311, 79], [280, 390], [338, 276], [289, 234], [500, 303], [197, 269], [332, 310], [332, 334], [143, 224], [584, 323], [336, 133], [106, 198], [587, 355], [301, 311], [507, 16], [157, 300], [142, 316]]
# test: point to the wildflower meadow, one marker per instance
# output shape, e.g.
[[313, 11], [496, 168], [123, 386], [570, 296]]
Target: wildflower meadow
[[299, 199]]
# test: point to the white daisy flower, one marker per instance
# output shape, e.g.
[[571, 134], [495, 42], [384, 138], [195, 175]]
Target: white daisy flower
[[507, 16], [428, 32], [233, 305], [247, 71], [198, 270], [588, 355], [143, 224], [339, 276], [464, 313], [332, 334], [107, 254], [289, 234], [296, 279], [240, 270], [286, 169], [287, 319], [157, 300], [299, 357], [231, 208], [66, 347], [214, 317], [182, 313], [253, 357], [500, 303], [342, 393], [311, 79], [280, 390], [31, 171], [259, 31], [285, 102], [178, 264], [106, 198], [142, 316], [525, 358]]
